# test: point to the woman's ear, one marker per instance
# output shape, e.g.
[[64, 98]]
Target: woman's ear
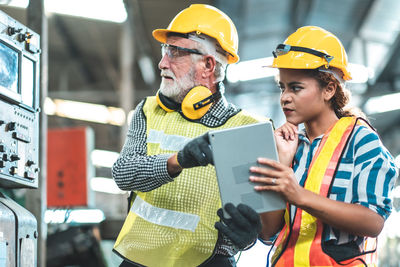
[[329, 91]]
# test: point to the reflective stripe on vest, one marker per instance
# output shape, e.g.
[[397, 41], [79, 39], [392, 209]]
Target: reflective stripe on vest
[[152, 235], [167, 142], [301, 245], [164, 217]]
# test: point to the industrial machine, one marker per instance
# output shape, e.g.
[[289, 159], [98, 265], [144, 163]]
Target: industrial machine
[[19, 138], [19, 104]]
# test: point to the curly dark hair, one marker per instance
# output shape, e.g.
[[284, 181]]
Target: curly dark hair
[[342, 95]]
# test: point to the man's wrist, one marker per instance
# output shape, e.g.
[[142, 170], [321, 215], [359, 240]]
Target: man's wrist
[[173, 166]]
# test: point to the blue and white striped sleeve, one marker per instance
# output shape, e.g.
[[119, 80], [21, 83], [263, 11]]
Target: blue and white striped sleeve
[[374, 173]]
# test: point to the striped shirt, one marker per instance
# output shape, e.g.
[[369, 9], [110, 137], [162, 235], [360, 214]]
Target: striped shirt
[[134, 170], [365, 176]]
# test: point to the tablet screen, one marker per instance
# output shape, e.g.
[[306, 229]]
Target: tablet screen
[[235, 150]]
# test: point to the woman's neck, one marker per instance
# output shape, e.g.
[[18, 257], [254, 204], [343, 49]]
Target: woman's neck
[[316, 127]]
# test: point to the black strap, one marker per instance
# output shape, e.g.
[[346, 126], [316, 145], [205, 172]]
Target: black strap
[[129, 198], [287, 48], [204, 102], [169, 102]]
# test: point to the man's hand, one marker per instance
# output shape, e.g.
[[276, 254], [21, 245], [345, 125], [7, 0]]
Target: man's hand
[[196, 153], [242, 228]]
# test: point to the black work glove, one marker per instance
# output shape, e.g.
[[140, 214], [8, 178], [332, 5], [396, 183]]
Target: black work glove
[[242, 228], [196, 153]]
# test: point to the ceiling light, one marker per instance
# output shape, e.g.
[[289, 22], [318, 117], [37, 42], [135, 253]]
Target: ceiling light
[[250, 70], [84, 111], [116, 116], [107, 10], [74, 216], [49, 106], [105, 185], [360, 73], [15, 3], [258, 68], [129, 117], [103, 158], [384, 103]]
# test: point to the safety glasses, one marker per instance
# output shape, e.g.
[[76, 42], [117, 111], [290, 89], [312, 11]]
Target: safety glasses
[[174, 51], [283, 49]]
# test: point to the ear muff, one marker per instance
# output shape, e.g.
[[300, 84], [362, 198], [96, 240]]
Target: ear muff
[[166, 103], [195, 104]]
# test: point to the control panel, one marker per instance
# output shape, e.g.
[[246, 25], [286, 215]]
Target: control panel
[[19, 104]]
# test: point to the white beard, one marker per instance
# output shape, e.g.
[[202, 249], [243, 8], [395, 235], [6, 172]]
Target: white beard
[[180, 87]]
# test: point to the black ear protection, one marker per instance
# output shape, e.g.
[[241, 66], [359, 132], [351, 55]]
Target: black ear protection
[[195, 104]]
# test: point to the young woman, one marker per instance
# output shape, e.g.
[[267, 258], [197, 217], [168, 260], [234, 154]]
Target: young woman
[[335, 174]]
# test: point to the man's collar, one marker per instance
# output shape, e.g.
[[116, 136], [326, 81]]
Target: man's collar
[[217, 108]]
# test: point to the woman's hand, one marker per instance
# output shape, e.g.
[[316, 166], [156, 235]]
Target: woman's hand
[[351, 218], [286, 139], [277, 177]]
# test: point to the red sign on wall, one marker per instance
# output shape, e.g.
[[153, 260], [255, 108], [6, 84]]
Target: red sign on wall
[[68, 166]]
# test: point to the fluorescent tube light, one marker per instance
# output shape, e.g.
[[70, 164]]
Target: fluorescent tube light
[[74, 216], [384, 103], [84, 111], [105, 185], [16, 3], [257, 69], [250, 70], [129, 117], [360, 73], [49, 106], [107, 10], [103, 158]]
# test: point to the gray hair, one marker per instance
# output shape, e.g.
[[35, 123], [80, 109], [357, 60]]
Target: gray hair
[[210, 46]]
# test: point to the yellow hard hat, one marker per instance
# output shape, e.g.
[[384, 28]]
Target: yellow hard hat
[[311, 47], [207, 20]]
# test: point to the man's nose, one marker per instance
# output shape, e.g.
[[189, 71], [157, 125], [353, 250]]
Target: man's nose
[[164, 62]]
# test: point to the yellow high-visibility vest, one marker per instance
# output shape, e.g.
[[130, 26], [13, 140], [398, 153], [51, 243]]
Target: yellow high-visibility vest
[[173, 225]]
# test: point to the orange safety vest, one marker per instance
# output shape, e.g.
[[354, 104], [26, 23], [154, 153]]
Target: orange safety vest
[[299, 243]]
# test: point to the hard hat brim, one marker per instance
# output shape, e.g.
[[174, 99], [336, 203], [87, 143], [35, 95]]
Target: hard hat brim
[[346, 74], [160, 35]]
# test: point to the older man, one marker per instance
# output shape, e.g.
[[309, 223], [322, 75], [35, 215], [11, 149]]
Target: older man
[[166, 156]]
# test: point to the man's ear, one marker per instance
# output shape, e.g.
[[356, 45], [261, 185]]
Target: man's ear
[[329, 91], [209, 66]]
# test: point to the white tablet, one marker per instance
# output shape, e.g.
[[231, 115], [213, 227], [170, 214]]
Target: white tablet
[[235, 150]]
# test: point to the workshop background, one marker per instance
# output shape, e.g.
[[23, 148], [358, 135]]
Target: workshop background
[[102, 60]]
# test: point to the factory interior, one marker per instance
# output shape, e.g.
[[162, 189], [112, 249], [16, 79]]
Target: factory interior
[[96, 60]]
